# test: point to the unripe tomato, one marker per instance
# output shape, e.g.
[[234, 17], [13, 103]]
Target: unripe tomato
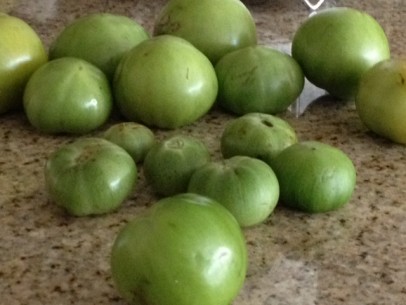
[[258, 79], [68, 95], [381, 99], [21, 53], [214, 27], [336, 46], [90, 176], [186, 249], [100, 38], [165, 82]]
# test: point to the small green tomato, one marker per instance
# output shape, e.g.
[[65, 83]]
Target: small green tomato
[[169, 164], [246, 186], [135, 138], [257, 135]]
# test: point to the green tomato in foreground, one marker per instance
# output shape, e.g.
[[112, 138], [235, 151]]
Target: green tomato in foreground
[[21, 53], [68, 95], [165, 82], [336, 46], [214, 27], [246, 186], [135, 138], [314, 177], [90, 176], [381, 99], [169, 164], [258, 79], [184, 250], [257, 135], [99, 38]]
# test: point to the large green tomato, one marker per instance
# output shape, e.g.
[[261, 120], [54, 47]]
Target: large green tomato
[[246, 186], [336, 46], [21, 53], [214, 27], [381, 99], [258, 79], [99, 38], [165, 82], [90, 176], [185, 250], [68, 95]]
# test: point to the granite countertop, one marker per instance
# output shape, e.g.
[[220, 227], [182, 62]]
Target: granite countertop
[[353, 256]]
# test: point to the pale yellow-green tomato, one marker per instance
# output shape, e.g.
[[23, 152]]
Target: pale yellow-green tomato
[[381, 99], [21, 53]]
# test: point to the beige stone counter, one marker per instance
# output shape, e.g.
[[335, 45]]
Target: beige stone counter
[[353, 256]]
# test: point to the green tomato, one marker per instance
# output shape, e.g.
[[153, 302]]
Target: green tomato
[[258, 79], [185, 250], [100, 38], [381, 99], [257, 135], [90, 176], [135, 138], [314, 177], [165, 82], [169, 164], [336, 46], [246, 186], [214, 27], [68, 95], [21, 53]]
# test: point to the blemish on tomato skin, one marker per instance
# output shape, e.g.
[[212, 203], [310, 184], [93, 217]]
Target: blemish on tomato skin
[[402, 79]]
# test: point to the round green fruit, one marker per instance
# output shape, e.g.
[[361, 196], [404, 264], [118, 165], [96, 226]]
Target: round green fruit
[[258, 79], [381, 99], [314, 177], [90, 176], [169, 164], [246, 186], [336, 46], [185, 250], [135, 138], [68, 95], [214, 27], [21, 53], [100, 38], [165, 82], [257, 135]]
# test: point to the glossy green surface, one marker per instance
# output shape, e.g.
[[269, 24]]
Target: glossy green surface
[[170, 163], [214, 27], [185, 250], [258, 79], [336, 46], [246, 186], [21, 53], [99, 38], [381, 99], [165, 82], [314, 177], [90, 176], [257, 135], [68, 95]]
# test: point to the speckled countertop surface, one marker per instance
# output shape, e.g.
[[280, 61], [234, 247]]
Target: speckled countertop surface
[[353, 256]]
